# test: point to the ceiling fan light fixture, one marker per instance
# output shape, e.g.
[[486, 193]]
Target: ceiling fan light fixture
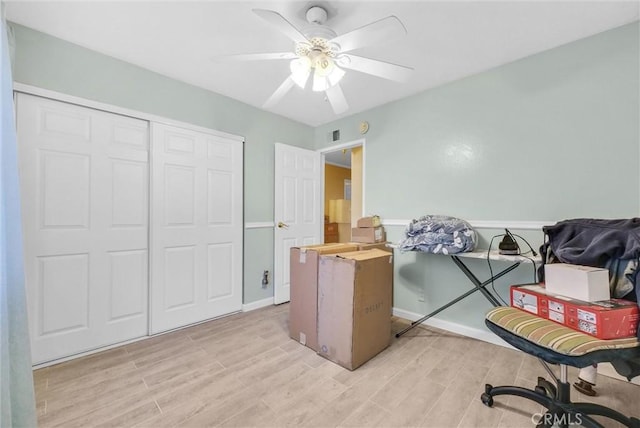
[[300, 70], [320, 83], [319, 49], [326, 72], [336, 75], [324, 65]]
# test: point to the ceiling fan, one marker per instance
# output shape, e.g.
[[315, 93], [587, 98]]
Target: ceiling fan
[[320, 52]]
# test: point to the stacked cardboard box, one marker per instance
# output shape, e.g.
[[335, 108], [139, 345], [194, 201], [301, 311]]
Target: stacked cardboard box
[[605, 319], [368, 230], [303, 288], [366, 332], [586, 283], [355, 292]]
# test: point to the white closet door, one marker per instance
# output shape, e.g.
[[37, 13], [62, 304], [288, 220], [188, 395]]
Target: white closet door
[[84, 184], [196, 227]]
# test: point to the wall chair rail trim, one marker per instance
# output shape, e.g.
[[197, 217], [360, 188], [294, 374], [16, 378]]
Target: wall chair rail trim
[[259, 225], [485, 224]]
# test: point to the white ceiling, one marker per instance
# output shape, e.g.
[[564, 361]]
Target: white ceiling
[[446, 40]]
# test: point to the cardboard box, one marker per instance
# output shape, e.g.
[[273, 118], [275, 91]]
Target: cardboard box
[[372, 221], [355, 293], [368, 234], [303, 283], [606, 319], [585, 283], [339, 211], [531, 298], [331, 233], [378, 245]]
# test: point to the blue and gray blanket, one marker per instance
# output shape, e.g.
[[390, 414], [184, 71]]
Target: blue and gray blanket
[[439, 235]]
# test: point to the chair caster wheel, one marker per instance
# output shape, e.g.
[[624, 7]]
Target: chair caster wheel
[[585, 387], [487, 400], [544, 387]]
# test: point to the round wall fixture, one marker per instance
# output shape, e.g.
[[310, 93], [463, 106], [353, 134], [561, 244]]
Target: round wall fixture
[[364, 127]]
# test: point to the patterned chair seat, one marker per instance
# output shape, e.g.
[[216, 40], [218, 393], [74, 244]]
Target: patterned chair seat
[[556, 343]]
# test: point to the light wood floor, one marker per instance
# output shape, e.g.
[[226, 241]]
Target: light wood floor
[[243, 370]]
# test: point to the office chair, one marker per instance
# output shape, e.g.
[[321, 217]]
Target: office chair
[[556, 344]]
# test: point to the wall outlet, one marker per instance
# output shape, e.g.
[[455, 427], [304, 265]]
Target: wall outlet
[[420, 295], [265, 279]]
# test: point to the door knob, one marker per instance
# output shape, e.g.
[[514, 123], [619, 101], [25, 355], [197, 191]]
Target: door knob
[[282, 225]]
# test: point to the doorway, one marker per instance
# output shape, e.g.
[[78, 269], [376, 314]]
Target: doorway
[[343, 188]]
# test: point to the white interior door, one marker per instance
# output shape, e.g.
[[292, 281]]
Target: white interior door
[[196, 226], [297, 209], [84, 185]]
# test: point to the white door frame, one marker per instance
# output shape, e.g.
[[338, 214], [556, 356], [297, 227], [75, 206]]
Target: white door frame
[[361, 142]]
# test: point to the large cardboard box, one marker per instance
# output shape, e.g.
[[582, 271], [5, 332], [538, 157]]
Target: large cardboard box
[[586, 283], [379, 245], [368, 234], [303, 277], [355, 292], [605, 319]]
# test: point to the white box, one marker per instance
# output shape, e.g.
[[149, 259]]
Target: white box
[[586, 283]]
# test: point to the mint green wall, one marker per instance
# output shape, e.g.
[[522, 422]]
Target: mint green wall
[[548, 137], [51, 63], [551, 136]]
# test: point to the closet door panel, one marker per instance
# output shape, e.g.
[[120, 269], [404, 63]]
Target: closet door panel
[[63, 190], [128, 192], [63, 285], [84, 186], [179, 195], [179, 277], [128, 284], [220, 198], [220, 272], [196, 227]]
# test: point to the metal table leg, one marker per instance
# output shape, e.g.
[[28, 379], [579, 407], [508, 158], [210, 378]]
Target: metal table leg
[[481, 285], [478, 286]]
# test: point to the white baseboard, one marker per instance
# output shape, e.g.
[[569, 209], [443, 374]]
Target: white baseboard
[[475, 333], [257, 304]]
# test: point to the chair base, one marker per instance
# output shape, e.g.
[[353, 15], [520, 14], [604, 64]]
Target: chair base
[[584, 387], [561, 411]]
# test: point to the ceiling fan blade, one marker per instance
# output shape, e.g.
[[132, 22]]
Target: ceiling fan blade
[[279, 93], [383, 69], [384, 30], [256, 56], [279, 21], [336, 99]]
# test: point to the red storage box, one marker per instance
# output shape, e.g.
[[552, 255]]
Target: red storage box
[[605, 319]]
